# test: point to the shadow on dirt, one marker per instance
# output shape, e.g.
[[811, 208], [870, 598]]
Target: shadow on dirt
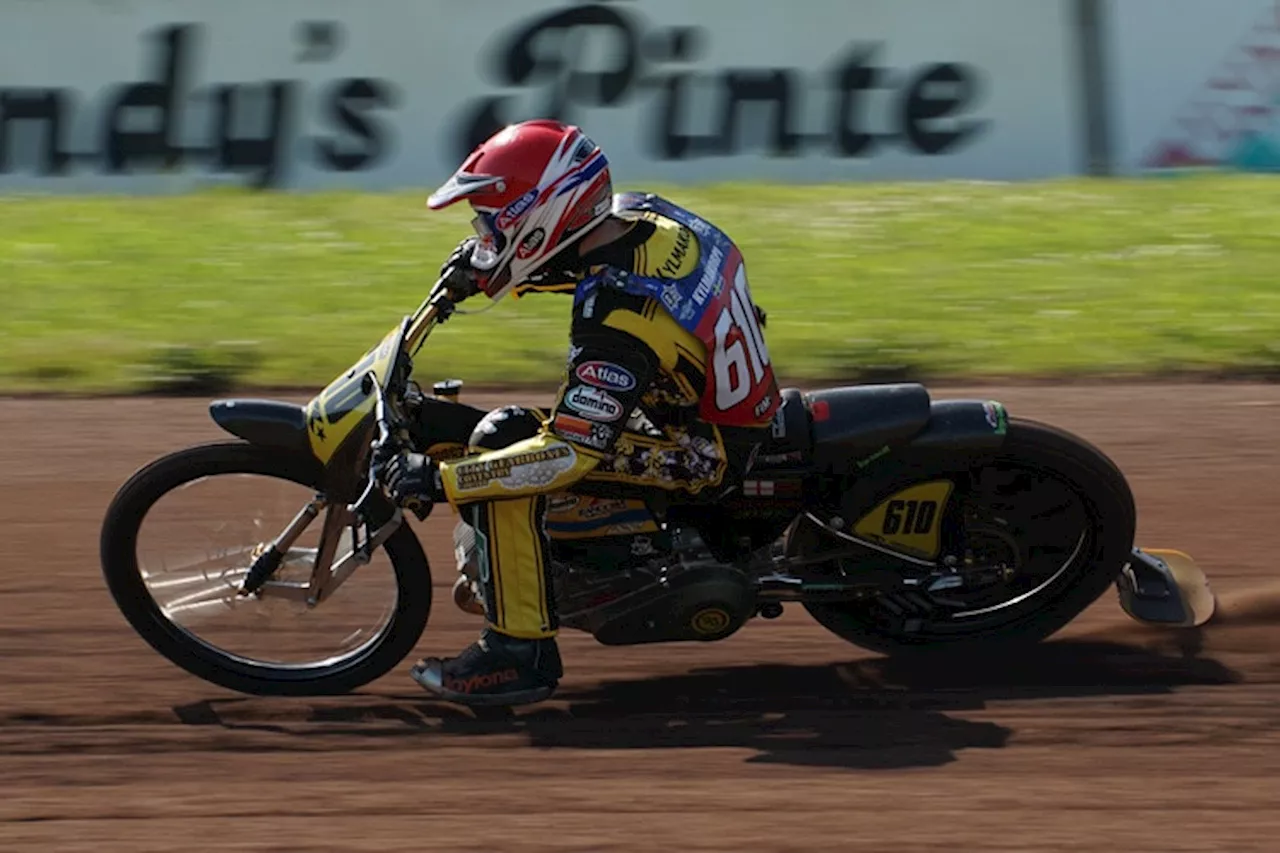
[[875, 713]]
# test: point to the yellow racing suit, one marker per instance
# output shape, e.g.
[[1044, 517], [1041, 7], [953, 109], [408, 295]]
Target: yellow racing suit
[[666, 355]]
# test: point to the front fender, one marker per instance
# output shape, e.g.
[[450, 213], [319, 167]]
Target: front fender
[[266, 423]]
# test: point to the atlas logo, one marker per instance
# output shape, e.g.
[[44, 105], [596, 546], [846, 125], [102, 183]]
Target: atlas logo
[[604, 374], [514, 212], [593, 403]]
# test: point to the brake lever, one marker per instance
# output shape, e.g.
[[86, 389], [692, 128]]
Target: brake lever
[[378, 446]]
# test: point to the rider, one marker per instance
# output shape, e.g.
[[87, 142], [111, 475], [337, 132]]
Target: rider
[[668, 382]]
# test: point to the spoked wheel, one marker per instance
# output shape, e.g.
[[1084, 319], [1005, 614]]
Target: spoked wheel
[[1035, 534], [178, 541]]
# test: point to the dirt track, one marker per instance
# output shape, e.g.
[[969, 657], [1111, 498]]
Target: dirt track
[[781, 738]]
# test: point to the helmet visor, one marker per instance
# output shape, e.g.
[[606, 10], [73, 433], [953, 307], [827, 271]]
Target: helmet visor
[[488, 251], [491, 243]]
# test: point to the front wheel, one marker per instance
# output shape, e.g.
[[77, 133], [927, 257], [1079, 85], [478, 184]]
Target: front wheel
[[1038, 530], [176, 544]]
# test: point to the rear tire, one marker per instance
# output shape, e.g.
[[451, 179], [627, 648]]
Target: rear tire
[[1109, 507], [121, 570]]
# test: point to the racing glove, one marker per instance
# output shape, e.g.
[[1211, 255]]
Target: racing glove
[[412, 480], [461, 278]]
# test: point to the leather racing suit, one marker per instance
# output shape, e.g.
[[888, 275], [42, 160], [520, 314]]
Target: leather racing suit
[[668, 387]]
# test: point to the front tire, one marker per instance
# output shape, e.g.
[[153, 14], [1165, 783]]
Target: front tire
[[337, 674], [1108, 506]]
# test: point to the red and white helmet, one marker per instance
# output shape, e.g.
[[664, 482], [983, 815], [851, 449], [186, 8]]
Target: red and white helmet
[[536, 187]]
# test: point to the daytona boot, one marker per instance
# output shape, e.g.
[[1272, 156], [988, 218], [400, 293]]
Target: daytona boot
[[495, 670]]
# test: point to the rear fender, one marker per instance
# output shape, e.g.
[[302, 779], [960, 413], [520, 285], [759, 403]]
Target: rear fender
[[266, 423], [963, 425], [853, 421]]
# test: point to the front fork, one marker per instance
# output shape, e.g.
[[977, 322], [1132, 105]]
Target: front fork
[[326, 575]]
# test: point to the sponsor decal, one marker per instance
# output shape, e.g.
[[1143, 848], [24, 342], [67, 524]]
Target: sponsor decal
[[561, 503], [642, 546], [671, 297], [482, 681], [602, 437], [571, 427], [700, 226], [605, 374], [821, 411], [627, 527], [687, 312], [596, 435], [770, 488], [709, 621], [989, 409], [534, 468], [589, 307], [531, 243], [670, 268], [997, 418], [863, 463], [778, 426], [514, 212], [597, 202], [763, 406], [606, 506], [780, 458], [593, 403], [710, 283], [446, 450]]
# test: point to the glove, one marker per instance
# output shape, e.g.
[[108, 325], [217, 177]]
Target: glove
[[413, 482], [461, 278]]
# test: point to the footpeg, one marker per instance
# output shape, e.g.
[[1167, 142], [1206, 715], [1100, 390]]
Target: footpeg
[[1165, 588], [467, 594]]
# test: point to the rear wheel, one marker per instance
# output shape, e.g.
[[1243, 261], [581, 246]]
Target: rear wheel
[[1037, 530], [176, 544]]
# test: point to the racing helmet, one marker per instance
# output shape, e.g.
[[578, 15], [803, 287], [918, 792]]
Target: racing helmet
[[535, 187]]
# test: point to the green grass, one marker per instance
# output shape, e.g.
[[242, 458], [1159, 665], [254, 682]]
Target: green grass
[[936, 280]]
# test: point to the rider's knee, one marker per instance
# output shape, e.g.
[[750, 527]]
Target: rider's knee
[[503, 427]]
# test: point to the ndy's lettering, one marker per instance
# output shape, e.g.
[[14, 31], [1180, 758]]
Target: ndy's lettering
[[248, 128]]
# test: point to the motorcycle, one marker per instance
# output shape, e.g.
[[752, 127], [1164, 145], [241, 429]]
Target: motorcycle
[[902, 524]]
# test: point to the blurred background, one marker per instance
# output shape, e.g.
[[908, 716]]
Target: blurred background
[[198, 195], [1067, 205]]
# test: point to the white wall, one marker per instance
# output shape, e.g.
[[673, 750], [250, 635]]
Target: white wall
[[433, 65], [1165, 56]]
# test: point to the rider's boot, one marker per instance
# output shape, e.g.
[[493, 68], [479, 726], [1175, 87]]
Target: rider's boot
[[497, 669]]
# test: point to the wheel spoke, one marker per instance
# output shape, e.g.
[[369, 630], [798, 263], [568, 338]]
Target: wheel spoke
[[230, 519]]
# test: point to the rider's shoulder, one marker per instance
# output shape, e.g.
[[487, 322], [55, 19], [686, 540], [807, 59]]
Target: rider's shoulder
[[635, 201]]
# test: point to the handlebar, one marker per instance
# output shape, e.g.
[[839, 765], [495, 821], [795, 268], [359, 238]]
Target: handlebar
[[378, 447], [434, 310]]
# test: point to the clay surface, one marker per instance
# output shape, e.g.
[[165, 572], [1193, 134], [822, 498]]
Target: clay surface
[[1109, 737]]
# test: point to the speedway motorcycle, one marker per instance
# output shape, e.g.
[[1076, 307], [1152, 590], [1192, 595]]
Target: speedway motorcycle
[[275, 564]]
